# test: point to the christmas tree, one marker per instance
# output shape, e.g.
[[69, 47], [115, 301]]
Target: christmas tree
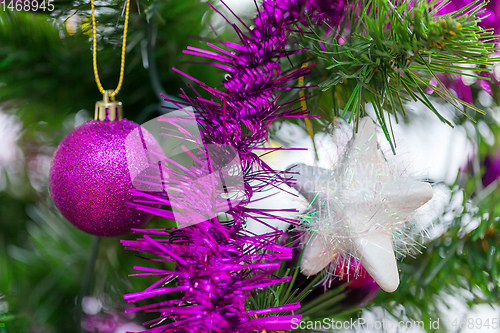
[[341, 173]]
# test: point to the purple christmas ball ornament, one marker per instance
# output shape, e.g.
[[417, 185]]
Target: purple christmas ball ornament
[[90, 180]]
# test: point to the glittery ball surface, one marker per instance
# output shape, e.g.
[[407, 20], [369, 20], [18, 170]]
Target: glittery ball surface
[[90, 179]]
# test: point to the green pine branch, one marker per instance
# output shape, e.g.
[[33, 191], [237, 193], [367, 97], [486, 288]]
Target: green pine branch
[[389, 55]]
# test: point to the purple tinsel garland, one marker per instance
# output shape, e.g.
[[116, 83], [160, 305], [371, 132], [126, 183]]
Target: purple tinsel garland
[[218, 264]]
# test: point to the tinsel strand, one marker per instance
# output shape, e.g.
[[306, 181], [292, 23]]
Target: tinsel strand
[[219, 264]]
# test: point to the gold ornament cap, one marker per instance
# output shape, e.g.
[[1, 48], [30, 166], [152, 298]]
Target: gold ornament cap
[[108, 108]]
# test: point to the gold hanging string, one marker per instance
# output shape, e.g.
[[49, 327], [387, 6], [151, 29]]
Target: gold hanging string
[[94, 51]]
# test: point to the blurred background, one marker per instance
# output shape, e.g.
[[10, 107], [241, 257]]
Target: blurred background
[[47, 89]]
